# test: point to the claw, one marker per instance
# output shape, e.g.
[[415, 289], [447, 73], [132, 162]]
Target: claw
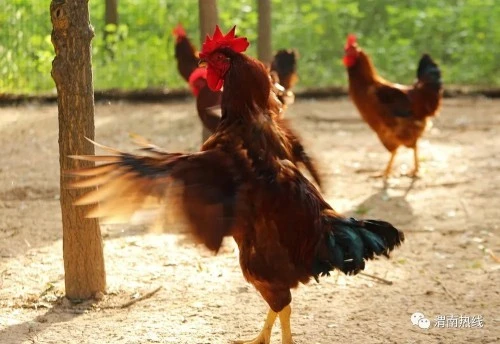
[[264, 336], [258, 340]]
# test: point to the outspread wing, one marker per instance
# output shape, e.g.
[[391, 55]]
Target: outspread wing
[[202, 186]]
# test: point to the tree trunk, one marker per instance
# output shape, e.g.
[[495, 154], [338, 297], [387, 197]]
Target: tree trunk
[[264, 48], [208, 19], [72, 73], [111, 12], [110, 34]]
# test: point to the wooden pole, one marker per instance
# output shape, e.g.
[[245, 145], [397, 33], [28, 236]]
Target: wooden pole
[[72, 33], [264, 46], [208, 17]]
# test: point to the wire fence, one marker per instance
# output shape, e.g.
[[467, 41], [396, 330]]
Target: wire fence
[[463, 35]]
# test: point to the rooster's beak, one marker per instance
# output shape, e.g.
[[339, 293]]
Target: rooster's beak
[[202, 63]]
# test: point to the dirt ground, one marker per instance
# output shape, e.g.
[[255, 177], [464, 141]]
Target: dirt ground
[[447, 266]]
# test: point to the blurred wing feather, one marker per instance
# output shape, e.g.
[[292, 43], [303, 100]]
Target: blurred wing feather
[[147, 185], [92, 171]]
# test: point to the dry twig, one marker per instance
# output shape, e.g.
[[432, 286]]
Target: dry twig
[[495, 258], [431, 230], [445, 289], [376, 278], [465, 208], [134, 301]]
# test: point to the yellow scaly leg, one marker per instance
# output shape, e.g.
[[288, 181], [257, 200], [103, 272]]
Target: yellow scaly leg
[[416, 162], [286, 331], [264, 336], [388, 169]]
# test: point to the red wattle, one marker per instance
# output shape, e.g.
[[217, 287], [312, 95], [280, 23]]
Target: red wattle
[[214, 80], [198, 73]]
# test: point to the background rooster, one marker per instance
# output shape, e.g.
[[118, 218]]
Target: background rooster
[[185, 53], [397, 113], [207, 101], [242, 184], [284, 72]]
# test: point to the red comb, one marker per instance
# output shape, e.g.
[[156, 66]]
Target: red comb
[[179, 31], [219, 40], [351, 40]]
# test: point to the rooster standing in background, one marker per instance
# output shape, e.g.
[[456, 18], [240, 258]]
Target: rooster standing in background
[[397, 113], [284, 72], [187, 64], [241, 184], [185, 53]]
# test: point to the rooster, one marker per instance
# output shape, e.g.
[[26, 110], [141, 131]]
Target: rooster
[[241, 184], [397, 113], [208, 101], [284, 73]]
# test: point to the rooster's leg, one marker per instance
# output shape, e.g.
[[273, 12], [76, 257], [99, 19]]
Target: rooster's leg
[[415, 159], [388, 169], [286, 331], [264, 336]]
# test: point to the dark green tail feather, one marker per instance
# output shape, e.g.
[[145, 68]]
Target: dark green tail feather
[[428, 71], [350, 242]]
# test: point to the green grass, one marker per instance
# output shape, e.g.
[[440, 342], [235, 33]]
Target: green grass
[[463, 35]]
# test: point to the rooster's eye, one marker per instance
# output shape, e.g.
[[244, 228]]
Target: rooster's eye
[[220, 57]]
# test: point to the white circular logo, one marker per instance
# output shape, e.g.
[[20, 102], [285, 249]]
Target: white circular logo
[[415, 317], [424, 323]]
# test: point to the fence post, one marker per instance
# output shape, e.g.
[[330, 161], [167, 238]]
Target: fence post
[[208, 17], [264, 48]]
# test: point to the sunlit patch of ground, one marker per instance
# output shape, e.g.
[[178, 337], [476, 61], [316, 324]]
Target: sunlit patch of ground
[[164, 289]]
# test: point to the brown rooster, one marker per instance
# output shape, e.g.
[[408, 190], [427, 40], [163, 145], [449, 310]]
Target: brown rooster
[[397, 113], [284, 72], [208, 100], [241, 184], [185, 53]]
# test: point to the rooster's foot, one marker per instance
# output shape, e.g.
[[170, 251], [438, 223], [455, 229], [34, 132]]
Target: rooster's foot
[[264, 336]]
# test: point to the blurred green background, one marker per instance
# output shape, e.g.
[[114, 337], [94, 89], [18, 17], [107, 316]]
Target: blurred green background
[[462, 35]]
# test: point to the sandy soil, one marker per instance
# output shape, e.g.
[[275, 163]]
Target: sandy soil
[[446, 267]]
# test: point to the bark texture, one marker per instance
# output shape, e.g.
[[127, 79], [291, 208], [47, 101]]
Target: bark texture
[[72, 73]]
